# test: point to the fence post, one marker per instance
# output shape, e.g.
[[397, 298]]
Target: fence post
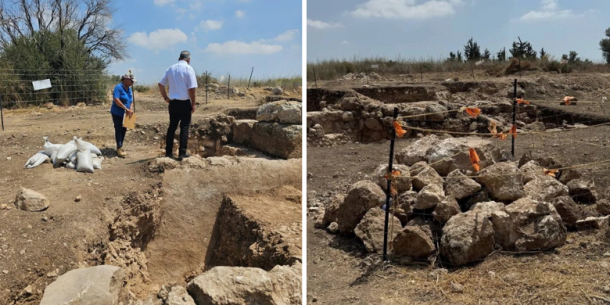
[[388, 192], [421, 73], [315, 78], [366, 74], [250, 77], [229, 88], [1, 112], [514, 116], [206, 87], [472, 68]]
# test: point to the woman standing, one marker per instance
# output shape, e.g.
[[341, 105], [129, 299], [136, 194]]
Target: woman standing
[[122, 104]]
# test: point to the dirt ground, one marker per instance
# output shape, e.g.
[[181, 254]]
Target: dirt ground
[[36, 247], [576, 273]]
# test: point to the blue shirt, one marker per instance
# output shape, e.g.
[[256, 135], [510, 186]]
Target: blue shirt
[[124, 96]]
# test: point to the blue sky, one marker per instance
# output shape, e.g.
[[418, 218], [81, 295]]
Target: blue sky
[[432, 28], [223, 36]]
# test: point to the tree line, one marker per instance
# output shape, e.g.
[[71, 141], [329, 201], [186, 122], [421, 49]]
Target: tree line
[[522, 50]]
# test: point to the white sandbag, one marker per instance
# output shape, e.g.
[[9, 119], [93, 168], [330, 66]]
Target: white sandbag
[[84, 162], [49, 148], [97, 163], [72, 158], [39, 158], [70, 165], [82, 145], [66, 150], [54, 160]]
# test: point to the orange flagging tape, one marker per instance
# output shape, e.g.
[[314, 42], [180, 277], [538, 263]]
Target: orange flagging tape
[[522, 101], [474, 159], [398, 128], [513, 131], [550, 172], [473, 111]]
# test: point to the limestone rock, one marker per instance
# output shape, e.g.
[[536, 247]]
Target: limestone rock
[[361, 197], [32, 201], [370, 229], [418, 151], [538, 224], [503, 181], [446, 209], [412, 241], [99, 285], [453, 153], [568, 210], [460, 186], [582, 191], [467, 238], [429, 197], [402, 183], [243, 285], [427, 176], [545, 188]]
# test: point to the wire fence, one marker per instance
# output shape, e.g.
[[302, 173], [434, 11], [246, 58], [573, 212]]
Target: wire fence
[[68, 87]]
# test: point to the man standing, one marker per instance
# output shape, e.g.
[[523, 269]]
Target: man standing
[[182, 83]]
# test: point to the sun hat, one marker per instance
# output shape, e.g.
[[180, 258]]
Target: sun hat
[[129, 76]]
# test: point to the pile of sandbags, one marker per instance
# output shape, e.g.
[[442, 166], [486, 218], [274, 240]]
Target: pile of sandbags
[[76, 154]]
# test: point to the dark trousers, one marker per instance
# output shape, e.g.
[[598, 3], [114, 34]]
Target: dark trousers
[[179, 113], [119, 130]]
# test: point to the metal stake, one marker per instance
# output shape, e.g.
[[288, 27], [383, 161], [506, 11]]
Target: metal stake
[[514, 116], [250, 77], [388, 192]]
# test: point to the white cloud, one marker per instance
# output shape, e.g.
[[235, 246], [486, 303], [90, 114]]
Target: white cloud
[[549, 5], [406, 9], [163, 2], [240, 14], [158, 39], [344, 42], [209, 25], [239, 47], [549, 11], [196, 6], [286, 36], [321, 25]]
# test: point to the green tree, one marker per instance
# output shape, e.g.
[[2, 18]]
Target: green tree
[[472, 50], [501, 55], [522, 49], [604, 45], [486, 54]]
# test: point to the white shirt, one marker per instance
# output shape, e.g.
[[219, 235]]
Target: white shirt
[[179, 77]]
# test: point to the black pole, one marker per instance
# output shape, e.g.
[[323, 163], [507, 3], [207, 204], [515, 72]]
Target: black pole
[[250, 77], [206, 87], [315, 78], [514, 115], [388, 192], [229, 88]]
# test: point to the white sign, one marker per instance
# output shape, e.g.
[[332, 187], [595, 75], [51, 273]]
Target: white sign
[[42, 84], [374, 66]]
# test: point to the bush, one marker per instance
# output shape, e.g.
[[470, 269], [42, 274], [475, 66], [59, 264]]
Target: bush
[[141, 88], [513, 66]]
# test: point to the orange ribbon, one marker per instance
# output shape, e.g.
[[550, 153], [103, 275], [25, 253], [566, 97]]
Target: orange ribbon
[[474, 159], [473, 111], [398, 128]]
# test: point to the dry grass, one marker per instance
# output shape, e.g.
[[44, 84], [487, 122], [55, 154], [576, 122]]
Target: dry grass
[[333, 69]]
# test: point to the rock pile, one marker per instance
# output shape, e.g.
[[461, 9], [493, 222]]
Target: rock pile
[[444, 207]]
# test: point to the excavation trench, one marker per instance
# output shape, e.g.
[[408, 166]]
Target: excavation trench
[[220, 211]]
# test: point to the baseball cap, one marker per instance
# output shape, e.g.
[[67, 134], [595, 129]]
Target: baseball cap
[[129, 76]]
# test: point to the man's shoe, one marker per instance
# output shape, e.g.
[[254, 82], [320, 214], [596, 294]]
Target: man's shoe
[[121, 153], [183, 156], [169, 156]]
